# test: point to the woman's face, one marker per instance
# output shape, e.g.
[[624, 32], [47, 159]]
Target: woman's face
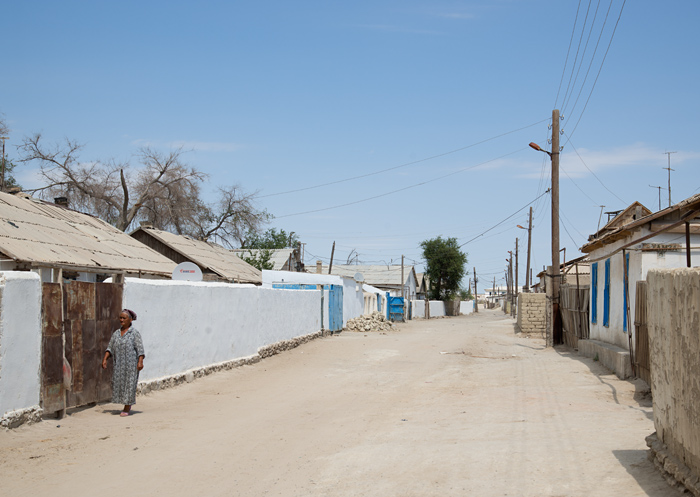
[[124, 319]]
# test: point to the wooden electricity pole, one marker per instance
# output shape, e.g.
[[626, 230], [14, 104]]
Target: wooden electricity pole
[[330, 266], [515, 298], [528, 281], [476, 298], [669, 175]]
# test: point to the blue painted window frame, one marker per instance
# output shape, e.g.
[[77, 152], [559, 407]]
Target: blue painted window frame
[[594, 292], [624, 296], [606, 295]]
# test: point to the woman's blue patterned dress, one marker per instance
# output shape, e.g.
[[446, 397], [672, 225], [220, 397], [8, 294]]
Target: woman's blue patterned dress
[[125, 352]]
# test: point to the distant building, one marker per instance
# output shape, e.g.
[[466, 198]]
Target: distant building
[[287, 259], [216, 262], [384, 277]]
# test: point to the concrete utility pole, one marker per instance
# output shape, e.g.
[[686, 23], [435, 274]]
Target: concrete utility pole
[[495, 294], [528, 280], [669, 176], [403, 281], [556, 272]]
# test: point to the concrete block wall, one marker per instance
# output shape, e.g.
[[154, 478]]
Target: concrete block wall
[[673, 310], [20, 347], [532, 312]]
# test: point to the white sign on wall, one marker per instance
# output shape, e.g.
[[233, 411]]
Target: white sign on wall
[[187, 271]]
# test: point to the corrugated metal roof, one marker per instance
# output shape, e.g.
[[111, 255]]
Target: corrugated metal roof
[[49, 235], [278, 257], [373, 275], [208, 256]]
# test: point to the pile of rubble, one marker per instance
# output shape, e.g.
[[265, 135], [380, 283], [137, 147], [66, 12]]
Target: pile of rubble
[[374, 322]]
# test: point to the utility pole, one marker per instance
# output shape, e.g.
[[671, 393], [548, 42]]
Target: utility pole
[[495, 294], [2, 181], [669, 175], [476, 298], [515, 298], [659, 188], [403, 281], [528, 280], [556, 321], [330, 266]]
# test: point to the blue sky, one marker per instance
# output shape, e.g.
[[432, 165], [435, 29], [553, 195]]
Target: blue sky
[[279, 96]]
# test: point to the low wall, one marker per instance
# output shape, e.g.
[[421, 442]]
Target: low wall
[[437, 308], [20, 347], [466, 307], [187, 325], [532, 313], [673, 307]]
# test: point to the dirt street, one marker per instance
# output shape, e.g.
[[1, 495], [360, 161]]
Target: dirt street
[[446, 407]]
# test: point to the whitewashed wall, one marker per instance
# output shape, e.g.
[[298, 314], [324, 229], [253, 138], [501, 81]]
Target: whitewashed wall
[[466, 307], [639, 265], [187, 325], [20, 341], [353, 297], [437, 308]]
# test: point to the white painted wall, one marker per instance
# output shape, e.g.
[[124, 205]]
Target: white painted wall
[[353, 297], [188, 325], [20, 340], [640, 263], [437, 308], [466, 307]]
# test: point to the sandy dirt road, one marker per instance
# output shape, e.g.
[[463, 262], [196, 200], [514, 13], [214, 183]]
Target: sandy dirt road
[[448, 407]]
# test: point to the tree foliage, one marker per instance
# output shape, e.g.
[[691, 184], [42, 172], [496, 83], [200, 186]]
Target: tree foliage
[[162, 190], [265, 243], [10, 181], [444, 266]]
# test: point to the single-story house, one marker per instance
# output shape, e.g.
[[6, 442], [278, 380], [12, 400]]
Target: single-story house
[[287, 259], [216, 262], [620, 255], [385, 277], [57, 242]]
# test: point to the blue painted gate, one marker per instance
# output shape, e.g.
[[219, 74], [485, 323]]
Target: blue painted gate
[[335, 301], [394, 308]]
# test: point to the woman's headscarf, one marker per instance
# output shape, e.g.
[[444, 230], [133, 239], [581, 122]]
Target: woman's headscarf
[[130, 313]]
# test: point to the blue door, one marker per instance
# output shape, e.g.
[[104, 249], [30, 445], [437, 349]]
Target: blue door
[[335, 308], [394, 308]]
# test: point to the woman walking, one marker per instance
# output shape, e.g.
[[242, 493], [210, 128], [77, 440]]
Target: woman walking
[[126, 347]]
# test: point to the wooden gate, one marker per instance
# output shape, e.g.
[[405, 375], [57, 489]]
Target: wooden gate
[[78, 319], [574, 313], [641, 350]]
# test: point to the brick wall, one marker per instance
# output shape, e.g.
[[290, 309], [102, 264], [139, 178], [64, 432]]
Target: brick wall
[[532, 312]]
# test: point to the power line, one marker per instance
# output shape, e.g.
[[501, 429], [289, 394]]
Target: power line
[[506, 219], [578, 48], [563, 72], [589, 169], [400, 189], [576, 185], [402, 165], [601, 67]]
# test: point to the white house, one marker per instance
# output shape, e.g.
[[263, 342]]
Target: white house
[[639, 240]]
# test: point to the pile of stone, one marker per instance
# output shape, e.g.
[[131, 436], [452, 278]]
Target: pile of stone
[[374, 322]]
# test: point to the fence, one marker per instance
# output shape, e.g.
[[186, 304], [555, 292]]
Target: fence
[[574, 313]]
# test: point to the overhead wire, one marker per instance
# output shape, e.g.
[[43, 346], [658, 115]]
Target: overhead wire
[[600, 69], [591, 171], [568, 52], [578, 49], [503, 221], [401, 165], [415, 185]]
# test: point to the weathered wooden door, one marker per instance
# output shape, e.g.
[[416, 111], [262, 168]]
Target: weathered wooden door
[[641, 350], [77, 322]]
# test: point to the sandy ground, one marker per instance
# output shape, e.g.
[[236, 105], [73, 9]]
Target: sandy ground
[[448, 407]]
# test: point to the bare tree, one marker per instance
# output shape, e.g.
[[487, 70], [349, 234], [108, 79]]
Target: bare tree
[[4, 130], [164, 191]]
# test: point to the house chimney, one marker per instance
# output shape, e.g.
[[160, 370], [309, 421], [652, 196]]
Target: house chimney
[[319, 267], [62, 201], [638, 212], [146, 224]]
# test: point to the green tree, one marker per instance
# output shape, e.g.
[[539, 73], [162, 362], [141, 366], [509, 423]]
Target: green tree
[[265, 243], [444, 266]]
